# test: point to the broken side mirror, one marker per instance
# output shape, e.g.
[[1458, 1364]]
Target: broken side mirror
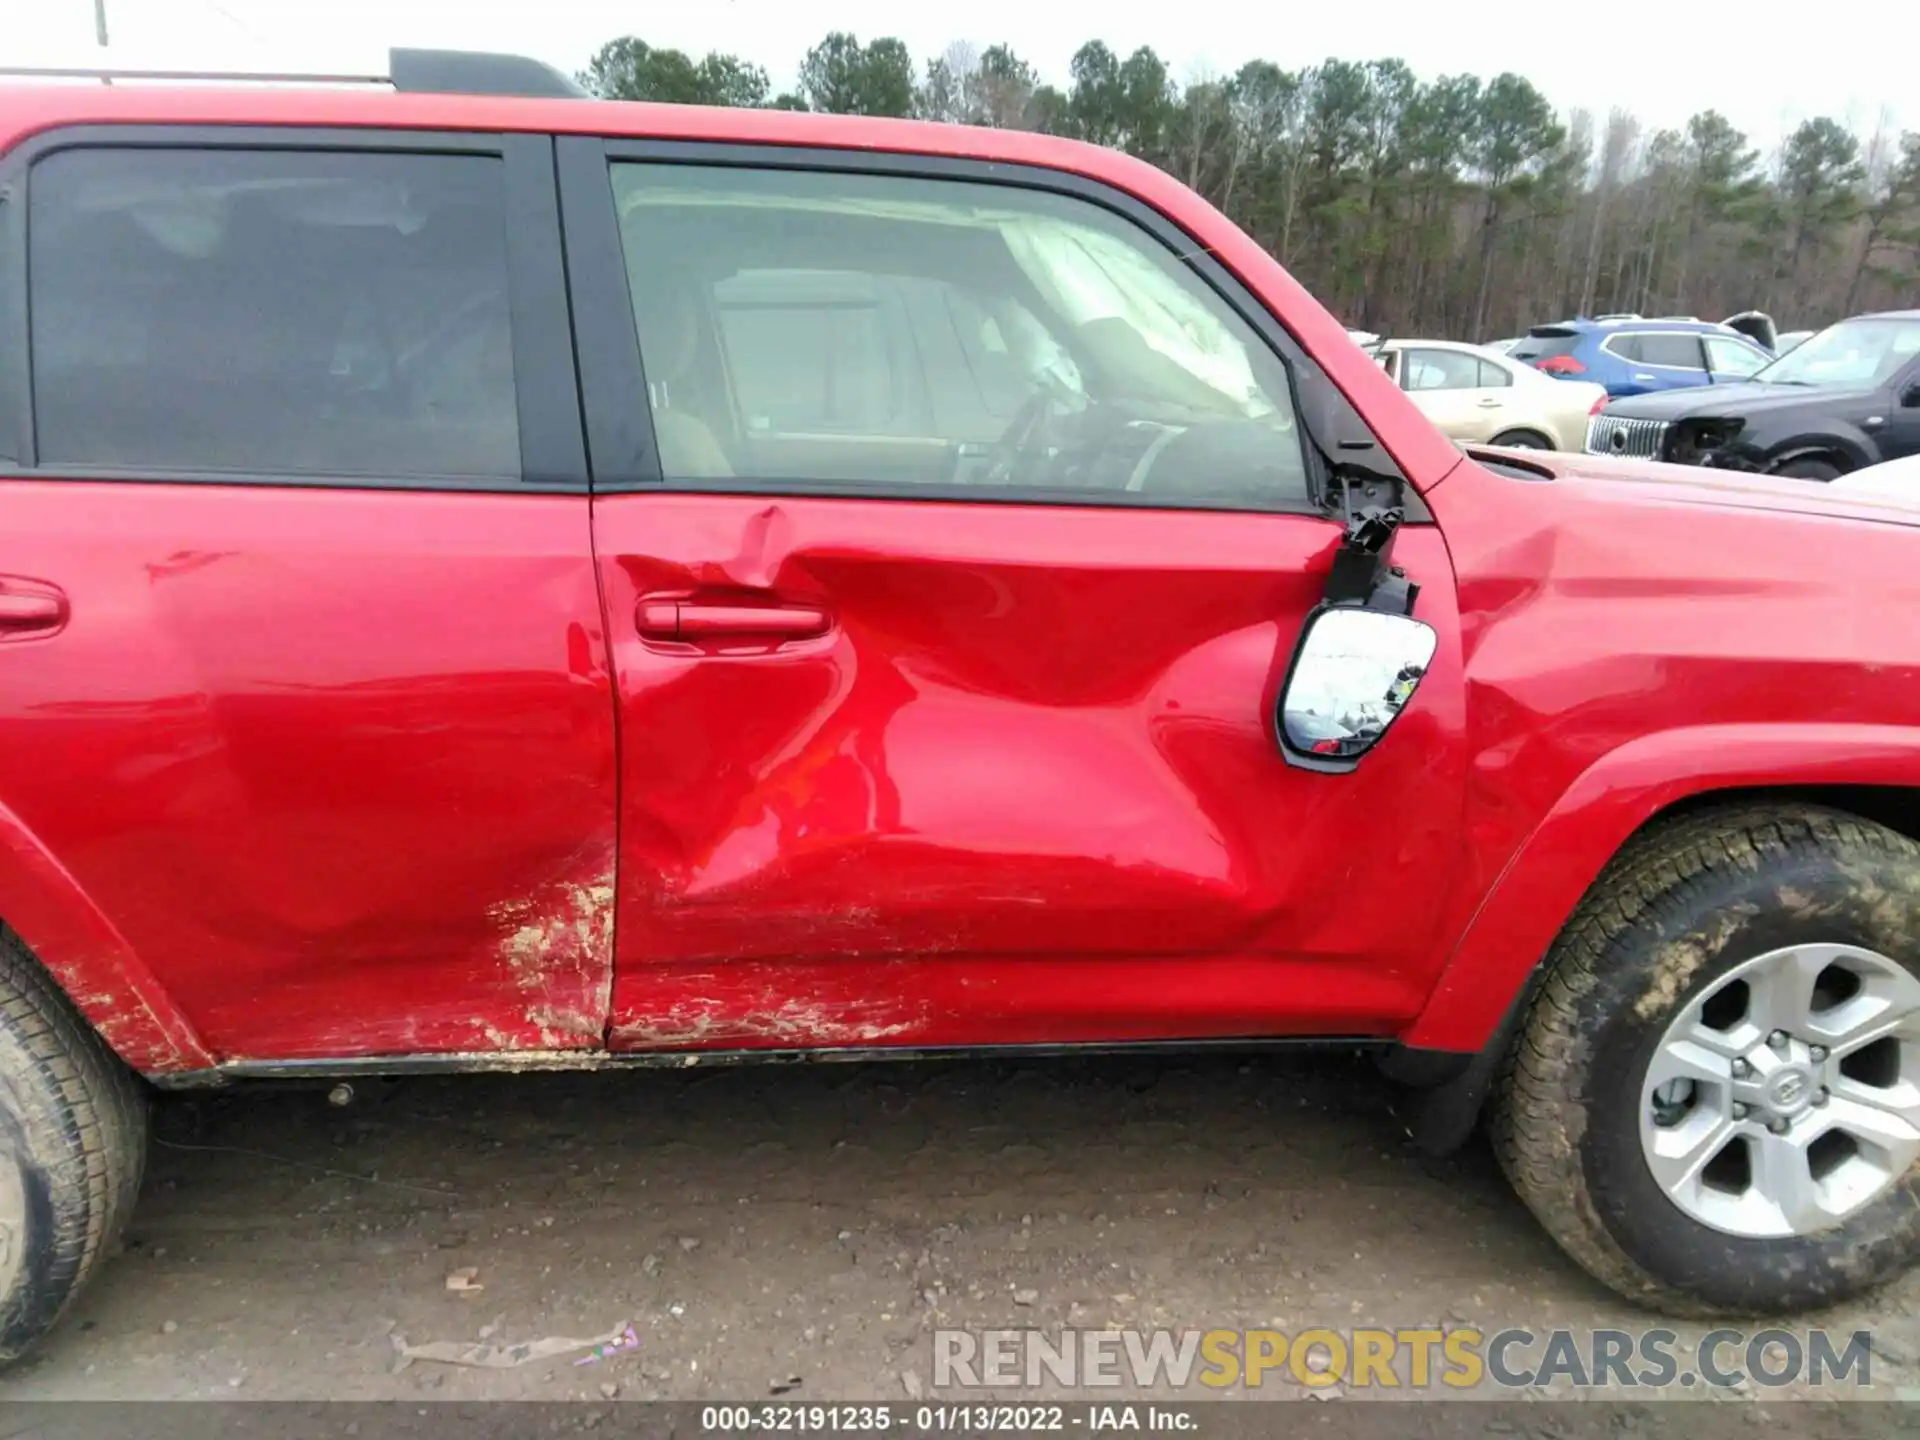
[[1352, 674]]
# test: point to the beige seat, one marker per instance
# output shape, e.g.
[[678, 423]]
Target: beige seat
[[669, 321]]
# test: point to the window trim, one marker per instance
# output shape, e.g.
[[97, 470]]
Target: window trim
[[621, 446], [546, 391]]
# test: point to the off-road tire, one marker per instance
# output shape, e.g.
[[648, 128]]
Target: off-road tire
[[73, 1126], [1684, 902]]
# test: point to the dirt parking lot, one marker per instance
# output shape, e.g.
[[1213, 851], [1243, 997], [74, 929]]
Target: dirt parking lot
[[798, 1229]]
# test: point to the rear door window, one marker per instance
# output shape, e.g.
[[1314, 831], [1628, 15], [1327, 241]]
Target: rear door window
[[272, 312], [1439, 370], [1675, 350]]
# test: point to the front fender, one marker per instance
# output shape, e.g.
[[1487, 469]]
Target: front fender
[[1517, 920], [42, 902]]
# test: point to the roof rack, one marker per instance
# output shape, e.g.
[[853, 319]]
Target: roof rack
[[409, 72]]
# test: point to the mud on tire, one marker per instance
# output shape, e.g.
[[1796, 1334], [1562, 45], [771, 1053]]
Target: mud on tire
[[72, 1146], [1685, 903]]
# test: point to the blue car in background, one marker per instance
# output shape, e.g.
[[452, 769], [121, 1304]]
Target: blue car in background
[[1634, 356]]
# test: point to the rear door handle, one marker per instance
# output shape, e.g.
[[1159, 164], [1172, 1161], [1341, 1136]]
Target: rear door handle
[[29, 607], [673, 619], [1490, 403]]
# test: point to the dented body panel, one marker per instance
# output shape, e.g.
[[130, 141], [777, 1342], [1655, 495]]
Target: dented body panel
[[1635, 635], [311, 772], [1024, 789]]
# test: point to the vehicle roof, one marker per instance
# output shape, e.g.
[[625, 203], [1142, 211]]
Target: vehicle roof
[[26, 109], [1711, 327]]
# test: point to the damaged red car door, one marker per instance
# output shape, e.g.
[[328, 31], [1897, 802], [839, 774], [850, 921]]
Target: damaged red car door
[[304, 578], [948, 616]]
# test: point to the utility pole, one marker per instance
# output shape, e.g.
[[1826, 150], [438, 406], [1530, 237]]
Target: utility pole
[[100, 31]]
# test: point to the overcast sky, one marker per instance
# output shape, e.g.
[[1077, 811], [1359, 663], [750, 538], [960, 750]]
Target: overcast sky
[[1765, 64]]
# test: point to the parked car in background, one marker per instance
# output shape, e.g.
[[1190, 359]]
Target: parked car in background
[[1846, 399], [1790, 340], [1897, 480], [1473, 394], [1634, 356], [1501, 347]]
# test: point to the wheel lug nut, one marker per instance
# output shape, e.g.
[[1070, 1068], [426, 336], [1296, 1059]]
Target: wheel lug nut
[[1739, 1110], [1818, 1052], [1778, 1039], [1820, 1096], [1741, 1069], [1778, 1127]]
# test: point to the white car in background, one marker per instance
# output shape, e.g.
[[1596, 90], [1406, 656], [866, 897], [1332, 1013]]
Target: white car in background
[[1889, 480], [1474, 393]]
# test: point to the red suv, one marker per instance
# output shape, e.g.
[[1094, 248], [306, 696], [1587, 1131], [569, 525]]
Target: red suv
[[515, 581]]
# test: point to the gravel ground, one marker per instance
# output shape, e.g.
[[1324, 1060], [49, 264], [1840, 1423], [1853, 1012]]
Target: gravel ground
[[798, 1229]]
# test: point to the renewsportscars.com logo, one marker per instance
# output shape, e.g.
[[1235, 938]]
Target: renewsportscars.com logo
[[1459, 1358]]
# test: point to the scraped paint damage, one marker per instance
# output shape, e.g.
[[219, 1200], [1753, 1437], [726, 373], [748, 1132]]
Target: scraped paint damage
[[557, 947], [805, 1023]]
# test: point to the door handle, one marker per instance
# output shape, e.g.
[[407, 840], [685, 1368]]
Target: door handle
[[1489, 403], [29, 607], [673, 619]]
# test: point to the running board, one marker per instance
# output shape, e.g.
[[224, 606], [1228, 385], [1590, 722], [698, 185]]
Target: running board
[[509, 1062]]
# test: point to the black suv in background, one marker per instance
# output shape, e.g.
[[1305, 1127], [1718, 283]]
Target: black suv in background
[[1846, 398]]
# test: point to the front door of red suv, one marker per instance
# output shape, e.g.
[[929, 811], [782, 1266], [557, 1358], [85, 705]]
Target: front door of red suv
[[304, 710], [950, 591]]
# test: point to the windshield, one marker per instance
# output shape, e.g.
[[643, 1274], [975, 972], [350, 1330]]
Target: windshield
[[1863, 353]]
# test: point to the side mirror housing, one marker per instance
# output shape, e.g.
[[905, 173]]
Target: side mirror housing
[[1910, 397], [1353, 672]]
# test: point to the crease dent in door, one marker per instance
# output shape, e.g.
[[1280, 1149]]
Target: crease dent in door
[[1023, 789]]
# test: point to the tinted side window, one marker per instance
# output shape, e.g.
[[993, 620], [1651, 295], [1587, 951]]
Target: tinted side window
[[851, 331], [1627, 347], [272, 312], [1492, 375], [1679, 351]]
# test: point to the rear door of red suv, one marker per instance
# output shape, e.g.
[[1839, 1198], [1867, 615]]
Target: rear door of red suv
[[301, 664], [956, 523]]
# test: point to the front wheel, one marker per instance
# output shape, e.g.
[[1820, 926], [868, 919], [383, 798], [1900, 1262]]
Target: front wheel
[[1714, 1103], [1521, 440], [72, 1144]]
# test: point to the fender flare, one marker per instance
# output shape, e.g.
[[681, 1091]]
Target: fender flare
[[1516, 922], [90, 959], [1848, 443]]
